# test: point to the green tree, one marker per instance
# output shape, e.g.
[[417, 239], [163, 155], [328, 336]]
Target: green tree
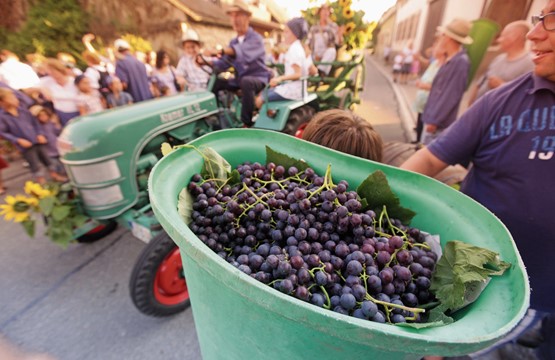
[[51, 26]]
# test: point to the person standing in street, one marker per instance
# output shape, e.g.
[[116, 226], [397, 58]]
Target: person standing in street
[[59, 88], [131, 72], [21, 128], [424, 84], [509, 136], [247, 55], [513, 62], [450, 81], [323, 39]]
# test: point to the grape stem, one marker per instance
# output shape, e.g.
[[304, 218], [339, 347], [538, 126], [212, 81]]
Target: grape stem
[[386, 304], [327, 305], [328, 183]]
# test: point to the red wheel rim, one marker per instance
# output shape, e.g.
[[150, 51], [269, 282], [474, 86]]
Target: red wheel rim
[[170, 287], [300, 131]]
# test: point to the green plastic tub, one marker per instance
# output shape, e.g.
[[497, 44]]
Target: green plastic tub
[[237, 317]]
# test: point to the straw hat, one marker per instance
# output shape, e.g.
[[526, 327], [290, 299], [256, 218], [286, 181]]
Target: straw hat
[[239, 6], [190, 35], [458, 30]]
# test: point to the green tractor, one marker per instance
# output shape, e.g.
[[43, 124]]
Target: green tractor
[[108, 157]]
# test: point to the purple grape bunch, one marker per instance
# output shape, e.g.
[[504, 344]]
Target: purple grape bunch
[[307, 237]]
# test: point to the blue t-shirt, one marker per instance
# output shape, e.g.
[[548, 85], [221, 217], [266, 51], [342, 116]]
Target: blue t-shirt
[[447, 91], [249, 57], [509, 135], [133, 72], [124, 99]]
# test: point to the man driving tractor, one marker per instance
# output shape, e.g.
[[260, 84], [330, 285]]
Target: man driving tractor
[[246, 54]]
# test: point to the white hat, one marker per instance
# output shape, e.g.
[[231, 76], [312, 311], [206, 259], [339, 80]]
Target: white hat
[[190, 35], [458, 30], [121, 44]]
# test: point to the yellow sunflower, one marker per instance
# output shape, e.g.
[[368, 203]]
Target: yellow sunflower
[[344, 3], [36, 190], [348, 13], [333, 17], [350, 27], [17, 207]]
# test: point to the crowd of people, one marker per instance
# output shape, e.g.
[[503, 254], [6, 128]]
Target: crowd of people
[[124, 77]]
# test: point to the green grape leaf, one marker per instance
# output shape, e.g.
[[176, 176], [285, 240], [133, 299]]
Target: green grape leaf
[[234, 177], [46, 205], [185, 205], [462, 273], [376, 193], [284, 160], [215, 166], [29, 226], [166, 148], [60, 212]]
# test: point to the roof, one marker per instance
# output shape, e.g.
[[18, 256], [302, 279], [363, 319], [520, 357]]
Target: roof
[[210, 13]]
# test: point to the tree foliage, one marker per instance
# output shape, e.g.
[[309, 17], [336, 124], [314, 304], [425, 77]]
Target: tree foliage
[[51, 26]]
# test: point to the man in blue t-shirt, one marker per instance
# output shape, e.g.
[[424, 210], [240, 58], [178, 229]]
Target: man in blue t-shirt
[[246, 53], [132, 73], [449, 84], [509, 136]]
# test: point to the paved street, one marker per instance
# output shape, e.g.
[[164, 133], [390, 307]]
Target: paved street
[[74, 303]]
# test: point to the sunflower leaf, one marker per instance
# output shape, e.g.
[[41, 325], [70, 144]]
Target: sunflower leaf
[[29, 226], [46, 205], [60, 212]]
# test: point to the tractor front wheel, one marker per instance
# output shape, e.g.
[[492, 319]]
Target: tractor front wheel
[[158, 286], [298, 119], [99, 232]]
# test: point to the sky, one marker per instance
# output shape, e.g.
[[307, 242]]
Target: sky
[[373, 8]]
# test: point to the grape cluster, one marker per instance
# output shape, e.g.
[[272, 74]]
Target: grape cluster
[[310, 238]]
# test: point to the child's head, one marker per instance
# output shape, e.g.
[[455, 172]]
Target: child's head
[[8, 99], [41, 113], [190, 42], [345, 131], [83, 83], [115, 84], [295, 29]]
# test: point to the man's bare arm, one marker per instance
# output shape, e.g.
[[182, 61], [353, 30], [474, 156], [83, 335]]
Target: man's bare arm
[[424, 162]]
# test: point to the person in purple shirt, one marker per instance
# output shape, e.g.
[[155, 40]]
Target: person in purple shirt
[[246, 53], [450, 81], [132, 73], [21, 128], [509, 136]]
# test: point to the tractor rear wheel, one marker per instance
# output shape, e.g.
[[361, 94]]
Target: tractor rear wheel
[[298, 118], [158, 286]]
